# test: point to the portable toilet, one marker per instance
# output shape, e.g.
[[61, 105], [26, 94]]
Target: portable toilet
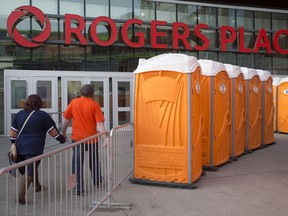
[[253, 108], [237, 84], [216, 114], [282, 110], [275, 83], [267, 128], [167, 121]]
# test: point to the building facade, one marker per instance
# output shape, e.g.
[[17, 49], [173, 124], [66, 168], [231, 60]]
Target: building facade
[[110, 36]]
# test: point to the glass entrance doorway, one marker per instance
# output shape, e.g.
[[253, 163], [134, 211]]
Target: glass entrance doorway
[[58, 88]]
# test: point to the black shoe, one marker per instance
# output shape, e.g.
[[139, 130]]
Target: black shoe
[[79, 194]]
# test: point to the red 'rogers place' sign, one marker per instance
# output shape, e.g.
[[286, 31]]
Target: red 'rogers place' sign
[[180, 32]]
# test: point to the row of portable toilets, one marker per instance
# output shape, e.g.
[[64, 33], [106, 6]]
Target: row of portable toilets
[[191, 114]]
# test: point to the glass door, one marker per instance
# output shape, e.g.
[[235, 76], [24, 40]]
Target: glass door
[[17, 90], [71, 89], [123, 100]]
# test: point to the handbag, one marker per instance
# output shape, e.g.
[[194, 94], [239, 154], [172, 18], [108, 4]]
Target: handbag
[[13, 154]]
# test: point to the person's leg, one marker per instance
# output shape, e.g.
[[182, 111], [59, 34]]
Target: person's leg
[[77, 166], [94, 164], [23, 188]]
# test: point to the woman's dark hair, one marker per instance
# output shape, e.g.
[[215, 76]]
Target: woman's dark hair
[[33, 102]]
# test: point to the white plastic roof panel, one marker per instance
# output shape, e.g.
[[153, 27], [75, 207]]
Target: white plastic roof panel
[[276, 80], [174, 62], [263, 74], [233, 70], [249, 73], [211, 68], [283, 80]]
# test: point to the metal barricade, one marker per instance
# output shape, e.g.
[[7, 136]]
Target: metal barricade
[[57, 194]]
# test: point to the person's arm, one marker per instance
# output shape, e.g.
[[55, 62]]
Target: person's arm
[[13, 136], [105, 137], [56, 135], [65, 126]]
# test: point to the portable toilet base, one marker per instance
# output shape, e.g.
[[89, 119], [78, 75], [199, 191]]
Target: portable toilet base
[[162, 184]]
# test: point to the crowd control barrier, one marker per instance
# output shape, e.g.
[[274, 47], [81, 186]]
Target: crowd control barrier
[[237, 84], [267, 128], [282, 110], [275, 83], [253, 108], [167, 121], [216, 113], [58, 182]]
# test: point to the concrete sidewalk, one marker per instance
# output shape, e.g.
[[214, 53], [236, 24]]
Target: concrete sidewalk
[[254, 185]]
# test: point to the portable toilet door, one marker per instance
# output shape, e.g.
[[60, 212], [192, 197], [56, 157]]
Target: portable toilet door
[[237, 84], [275, 83], [167, 121], [282, 105], [253, 108], [267, 128], [216, 114]]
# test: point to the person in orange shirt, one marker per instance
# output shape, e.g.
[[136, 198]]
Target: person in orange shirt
[[87, 118]]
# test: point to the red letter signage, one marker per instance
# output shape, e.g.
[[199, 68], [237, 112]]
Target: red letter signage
[[183, 37], [224, 39], [155, 34], [112, 30], [140, 35], [76, 31]]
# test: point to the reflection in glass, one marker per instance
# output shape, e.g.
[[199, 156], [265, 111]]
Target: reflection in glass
[[263, 61], [98, 92], [226, 17], [73, 90], [72, 7], [280, 65], [244, 19], [144, 10], [262, 20], [245, 60], [123, 117], [187, 14], [208, 55], [44, 90], [166, 12], [47, 6], [279, 21], [207, 15], [96, 8], [123, 94], [18, 94], [227, 58], [121, 9]]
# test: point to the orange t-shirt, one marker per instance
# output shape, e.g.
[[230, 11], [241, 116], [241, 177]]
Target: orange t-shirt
[[85, 114]]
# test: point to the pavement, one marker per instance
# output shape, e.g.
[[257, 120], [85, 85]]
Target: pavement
[[254, 185]]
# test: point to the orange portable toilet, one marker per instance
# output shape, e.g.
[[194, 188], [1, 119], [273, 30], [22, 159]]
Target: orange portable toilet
[[267, 128], [253, 108], [216, 114], [237, 84], [282, 106], [275, 83], [167, 121]]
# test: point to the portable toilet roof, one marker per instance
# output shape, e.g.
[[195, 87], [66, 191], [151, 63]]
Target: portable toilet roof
[[283, 80], [248, 73], [176, 62], [276, 80], [233, 70], [211, 68], [263, 74]]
